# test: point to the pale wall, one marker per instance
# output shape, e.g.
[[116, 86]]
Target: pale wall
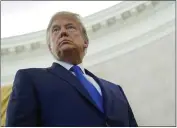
[[147, 76]]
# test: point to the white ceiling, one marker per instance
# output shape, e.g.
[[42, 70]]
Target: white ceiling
[[20, 17]]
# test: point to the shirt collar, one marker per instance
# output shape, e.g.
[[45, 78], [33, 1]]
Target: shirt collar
[[68, 65]]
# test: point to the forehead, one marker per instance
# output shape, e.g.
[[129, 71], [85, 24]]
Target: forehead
[[64, 19]]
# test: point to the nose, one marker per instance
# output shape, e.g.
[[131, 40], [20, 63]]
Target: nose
[[63, 33]]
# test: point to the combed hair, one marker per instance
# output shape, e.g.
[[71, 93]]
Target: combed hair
[[75, 16]]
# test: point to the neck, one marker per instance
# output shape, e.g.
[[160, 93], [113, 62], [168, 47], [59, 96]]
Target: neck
[[71, 61]]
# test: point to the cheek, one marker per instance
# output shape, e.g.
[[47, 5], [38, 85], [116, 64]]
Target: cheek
[[78, 39], [53, 43], [54, 39]]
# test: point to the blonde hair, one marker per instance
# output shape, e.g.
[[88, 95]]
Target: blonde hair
[[75, 16]]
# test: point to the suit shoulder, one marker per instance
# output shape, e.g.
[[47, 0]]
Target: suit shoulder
[[31, 71], [114, 88], [110, 83], [28, 75]]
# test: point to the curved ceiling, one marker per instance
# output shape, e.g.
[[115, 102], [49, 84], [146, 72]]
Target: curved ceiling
[[21, 17]]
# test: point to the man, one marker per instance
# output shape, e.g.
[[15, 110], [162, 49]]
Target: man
[[66, 94]]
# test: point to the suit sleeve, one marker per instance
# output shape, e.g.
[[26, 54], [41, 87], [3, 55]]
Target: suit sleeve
[[22, 106], [132, 120]]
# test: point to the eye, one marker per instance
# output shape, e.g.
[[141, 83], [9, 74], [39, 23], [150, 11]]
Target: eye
[[55, 30], [71, 27]]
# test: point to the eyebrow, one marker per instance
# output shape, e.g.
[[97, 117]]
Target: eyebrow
[[69, 24], [57, 26]]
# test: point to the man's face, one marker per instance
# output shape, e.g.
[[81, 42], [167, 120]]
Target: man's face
[[66, 39]]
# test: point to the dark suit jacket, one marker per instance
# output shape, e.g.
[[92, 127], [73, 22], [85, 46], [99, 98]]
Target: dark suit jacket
[[54, 97]]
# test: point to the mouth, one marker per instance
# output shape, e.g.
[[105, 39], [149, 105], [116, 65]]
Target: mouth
[[64, 42]]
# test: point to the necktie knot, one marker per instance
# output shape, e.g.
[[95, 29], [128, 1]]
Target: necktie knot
[[76, 69]]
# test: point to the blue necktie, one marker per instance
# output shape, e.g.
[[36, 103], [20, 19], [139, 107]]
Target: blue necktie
[[89, 87]]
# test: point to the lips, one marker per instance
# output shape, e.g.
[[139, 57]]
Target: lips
[[64, 42]]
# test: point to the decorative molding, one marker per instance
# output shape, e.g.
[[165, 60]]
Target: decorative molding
[[129, 45], [140, 8], [37, 36], [35, 46], [19, 49], [34, 41], [4, 51], [96, 27], [111, 21], [122, 48], [125, 15], [154, 3]]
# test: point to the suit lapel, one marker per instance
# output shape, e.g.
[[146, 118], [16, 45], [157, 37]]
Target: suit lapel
[[67, 76], [106, 94], [113, 103]]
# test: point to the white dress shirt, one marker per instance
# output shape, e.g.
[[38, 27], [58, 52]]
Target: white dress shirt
[[89, 78]]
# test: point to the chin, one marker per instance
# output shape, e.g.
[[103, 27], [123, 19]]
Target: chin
[[65, 50], [68, 48]]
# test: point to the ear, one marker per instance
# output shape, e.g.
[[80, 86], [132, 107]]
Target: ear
[[85, 44]]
